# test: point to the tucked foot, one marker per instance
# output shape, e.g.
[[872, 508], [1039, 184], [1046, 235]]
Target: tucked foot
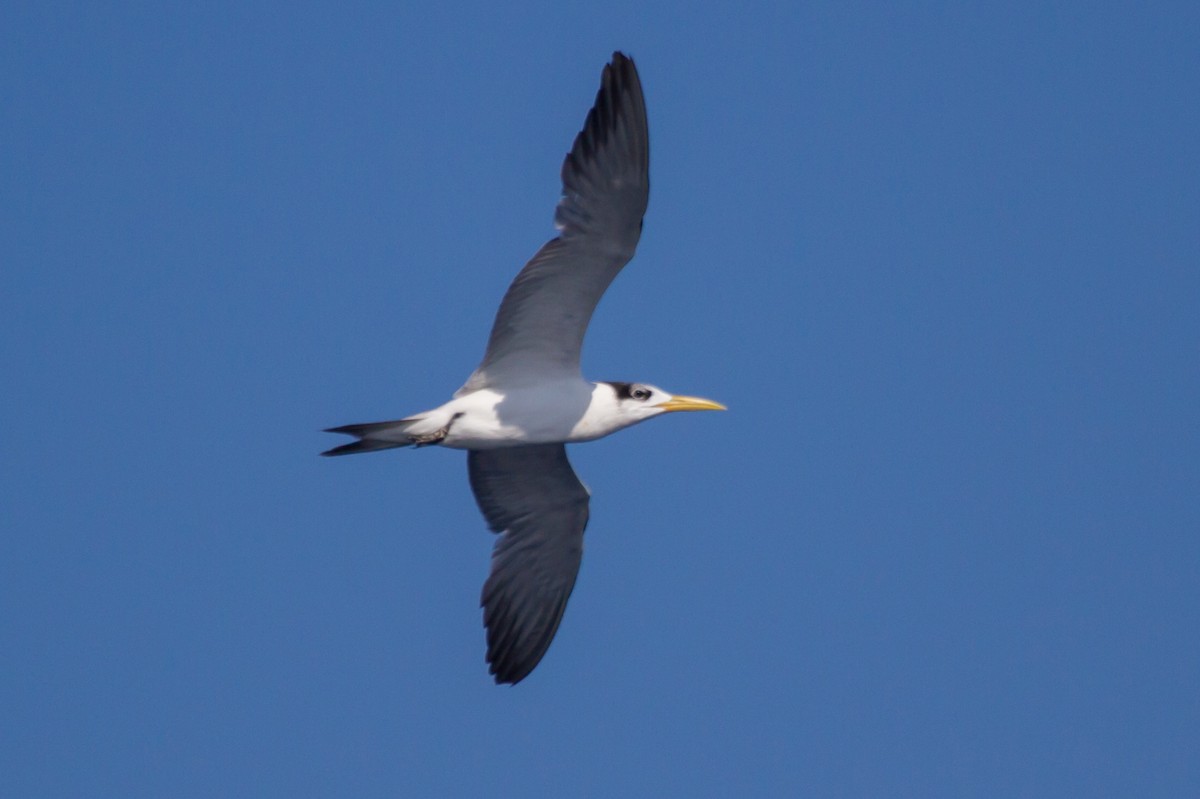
[[436, 437]]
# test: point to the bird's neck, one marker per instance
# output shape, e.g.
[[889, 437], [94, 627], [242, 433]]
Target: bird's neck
[[603, 415]]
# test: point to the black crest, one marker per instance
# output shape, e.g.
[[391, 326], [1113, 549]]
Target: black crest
[[625, 390]]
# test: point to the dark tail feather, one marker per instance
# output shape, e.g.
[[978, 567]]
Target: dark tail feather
[[370, 438], [366, 445]]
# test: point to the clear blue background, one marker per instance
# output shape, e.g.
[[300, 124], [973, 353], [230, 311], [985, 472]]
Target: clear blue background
[[941, 260]]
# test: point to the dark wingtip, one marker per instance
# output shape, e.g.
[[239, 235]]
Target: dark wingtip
[[511, 655], [509, 673], [504, 679]]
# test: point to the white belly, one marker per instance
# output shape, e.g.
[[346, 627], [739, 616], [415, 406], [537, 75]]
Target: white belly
[[488, 419]]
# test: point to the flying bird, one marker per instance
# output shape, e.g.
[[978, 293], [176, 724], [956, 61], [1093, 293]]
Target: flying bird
[[528, 398]]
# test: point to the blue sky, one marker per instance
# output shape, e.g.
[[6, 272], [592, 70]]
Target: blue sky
[[941, 261]]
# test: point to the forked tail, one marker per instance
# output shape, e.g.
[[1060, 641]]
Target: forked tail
[[374, 436]]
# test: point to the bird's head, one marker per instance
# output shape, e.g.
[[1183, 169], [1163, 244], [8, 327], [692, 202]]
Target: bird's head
[[636, 402]]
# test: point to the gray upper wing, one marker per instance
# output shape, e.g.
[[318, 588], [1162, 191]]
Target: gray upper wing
[[531, 496], [539, 329]]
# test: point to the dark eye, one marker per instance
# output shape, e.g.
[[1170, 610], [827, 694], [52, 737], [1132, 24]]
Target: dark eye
[[640, 393]]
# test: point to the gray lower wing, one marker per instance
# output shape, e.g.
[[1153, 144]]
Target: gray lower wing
[[542, 320], [531, 496]]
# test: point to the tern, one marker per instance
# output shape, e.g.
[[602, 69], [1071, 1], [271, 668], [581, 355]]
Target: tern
[[528, 398]]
